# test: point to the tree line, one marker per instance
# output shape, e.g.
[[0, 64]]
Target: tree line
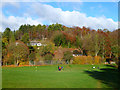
[[103, 43]]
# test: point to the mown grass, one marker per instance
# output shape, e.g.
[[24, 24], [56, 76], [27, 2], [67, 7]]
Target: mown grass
[[72, 76]]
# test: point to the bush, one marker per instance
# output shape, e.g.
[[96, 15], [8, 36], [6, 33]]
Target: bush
[[68, 56], [90, 59], [32, 56], [48, 57], [86, 60], [97, 59], [78, 60], [24, 63]]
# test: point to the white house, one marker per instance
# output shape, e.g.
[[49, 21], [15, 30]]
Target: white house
[[35, 43], [75, 55]]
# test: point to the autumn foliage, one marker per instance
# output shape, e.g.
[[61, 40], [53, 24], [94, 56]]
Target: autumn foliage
[[87, 60], [94, 45]]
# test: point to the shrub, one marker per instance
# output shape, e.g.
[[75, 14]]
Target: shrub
[[48, 57], [68, 56], [79, 60], [90, 59], [97, 59], [86, 60]]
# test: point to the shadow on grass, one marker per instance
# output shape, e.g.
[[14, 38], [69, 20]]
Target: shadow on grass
[[109, 76], [111, 66]]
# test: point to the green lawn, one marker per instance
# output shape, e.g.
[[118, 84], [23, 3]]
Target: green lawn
[[72, 76]]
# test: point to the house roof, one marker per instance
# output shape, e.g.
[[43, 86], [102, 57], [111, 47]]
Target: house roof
[[62, 50], [35, 41]]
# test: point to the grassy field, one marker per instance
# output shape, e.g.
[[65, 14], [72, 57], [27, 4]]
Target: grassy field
[[72, 76]]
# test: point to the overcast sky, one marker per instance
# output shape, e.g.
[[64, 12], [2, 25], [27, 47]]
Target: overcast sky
[[96, 15]]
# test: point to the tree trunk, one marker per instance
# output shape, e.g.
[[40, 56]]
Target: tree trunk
[[17, 63], [96, 53]]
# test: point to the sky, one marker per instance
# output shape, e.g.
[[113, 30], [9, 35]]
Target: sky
[[95, 15]]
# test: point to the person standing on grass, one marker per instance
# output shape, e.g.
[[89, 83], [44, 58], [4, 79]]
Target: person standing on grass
[[59, 68]]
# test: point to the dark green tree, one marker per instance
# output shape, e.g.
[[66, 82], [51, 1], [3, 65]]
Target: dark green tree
[[78, 43], [6, 34], [25, 38], [12, 37], [58, 39]]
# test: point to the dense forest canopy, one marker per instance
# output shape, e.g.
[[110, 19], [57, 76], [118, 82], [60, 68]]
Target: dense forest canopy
[[103, 43]]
